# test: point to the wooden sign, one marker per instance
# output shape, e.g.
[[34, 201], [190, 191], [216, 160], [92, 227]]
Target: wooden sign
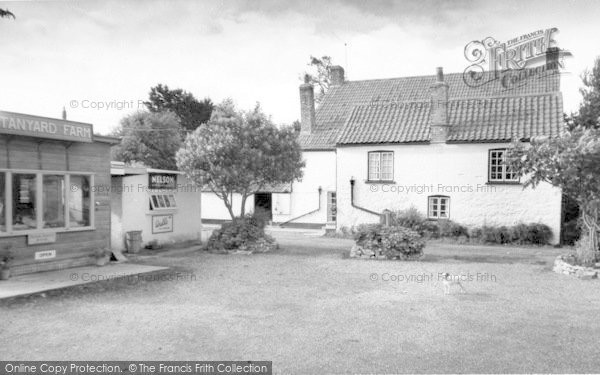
[[43, 127], [46, 254], [162, 181], [41, 238], [162, 223]]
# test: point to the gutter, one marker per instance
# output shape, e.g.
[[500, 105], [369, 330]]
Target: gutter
[[306, 214], [358, 207]]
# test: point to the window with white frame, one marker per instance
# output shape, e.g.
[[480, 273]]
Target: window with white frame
[[498, 170], [381, 166], [162, 201], [438, 207], [35, 200]]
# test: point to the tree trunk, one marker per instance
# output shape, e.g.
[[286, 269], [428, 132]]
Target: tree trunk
[[228, 204], [589, 215], [243, 210]]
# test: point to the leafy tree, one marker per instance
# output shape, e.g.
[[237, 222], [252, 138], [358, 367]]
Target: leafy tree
[[5, 13], [319, 75], [589, 109], [190, 110], [572, 163], [149, 138], [240, 152]]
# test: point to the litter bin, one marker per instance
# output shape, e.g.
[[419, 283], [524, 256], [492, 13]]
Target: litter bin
[[134, 241]]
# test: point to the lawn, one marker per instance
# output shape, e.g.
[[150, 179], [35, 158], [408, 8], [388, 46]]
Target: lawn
[[312, 311]]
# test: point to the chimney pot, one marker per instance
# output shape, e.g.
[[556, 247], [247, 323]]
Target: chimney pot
[[440, 74], [337, 75]]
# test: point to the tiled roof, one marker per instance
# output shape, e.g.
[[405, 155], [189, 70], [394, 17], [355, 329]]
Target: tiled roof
[[470, 120], [397, 110]]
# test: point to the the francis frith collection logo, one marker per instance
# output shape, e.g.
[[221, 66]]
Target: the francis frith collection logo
[[514, 61]]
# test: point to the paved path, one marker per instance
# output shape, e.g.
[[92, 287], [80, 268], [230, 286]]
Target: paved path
[[44, 281]]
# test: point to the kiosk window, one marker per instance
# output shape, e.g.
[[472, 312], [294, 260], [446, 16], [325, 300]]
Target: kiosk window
[[79, 201], [162, 201], [53, 199], [24, 209]]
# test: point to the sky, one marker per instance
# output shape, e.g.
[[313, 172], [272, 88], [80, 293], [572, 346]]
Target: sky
[[99, 59]]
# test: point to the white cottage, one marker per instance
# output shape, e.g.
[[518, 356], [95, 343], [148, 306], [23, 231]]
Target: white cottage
[[432, 142]]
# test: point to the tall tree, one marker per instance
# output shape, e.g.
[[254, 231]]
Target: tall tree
[[319, 75], [240, 152], [149, 138], [190, 110]]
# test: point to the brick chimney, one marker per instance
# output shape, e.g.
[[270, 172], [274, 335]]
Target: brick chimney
[[337, 75], [439, 109], [307, 106]]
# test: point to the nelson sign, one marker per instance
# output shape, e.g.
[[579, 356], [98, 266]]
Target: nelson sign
[[43, 127]]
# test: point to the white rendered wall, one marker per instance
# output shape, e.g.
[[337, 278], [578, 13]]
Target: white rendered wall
[[318, 172], [214, 208], [455, 170]]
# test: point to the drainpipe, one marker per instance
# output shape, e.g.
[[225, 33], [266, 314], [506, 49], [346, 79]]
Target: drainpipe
[[308, 213], [352, 200]]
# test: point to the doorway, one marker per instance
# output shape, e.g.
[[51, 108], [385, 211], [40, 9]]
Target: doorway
[[264, 202]]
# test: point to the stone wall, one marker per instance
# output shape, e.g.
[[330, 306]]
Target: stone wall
[[586, 273]]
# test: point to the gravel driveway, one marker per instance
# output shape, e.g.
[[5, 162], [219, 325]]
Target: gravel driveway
[[312, 311]]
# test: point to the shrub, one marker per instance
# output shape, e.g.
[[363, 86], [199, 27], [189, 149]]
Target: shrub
[[393, 242], [524, 234], [260, 217], [6, 257], [476, 233], [448, 228], [539, 234], [246, 233], [410, 218]]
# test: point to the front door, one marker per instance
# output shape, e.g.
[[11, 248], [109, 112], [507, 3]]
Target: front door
[[264, 202]]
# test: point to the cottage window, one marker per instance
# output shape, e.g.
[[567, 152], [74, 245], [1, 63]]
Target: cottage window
[[439, 207], [381, 166], [162, 201], [498, 170]]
